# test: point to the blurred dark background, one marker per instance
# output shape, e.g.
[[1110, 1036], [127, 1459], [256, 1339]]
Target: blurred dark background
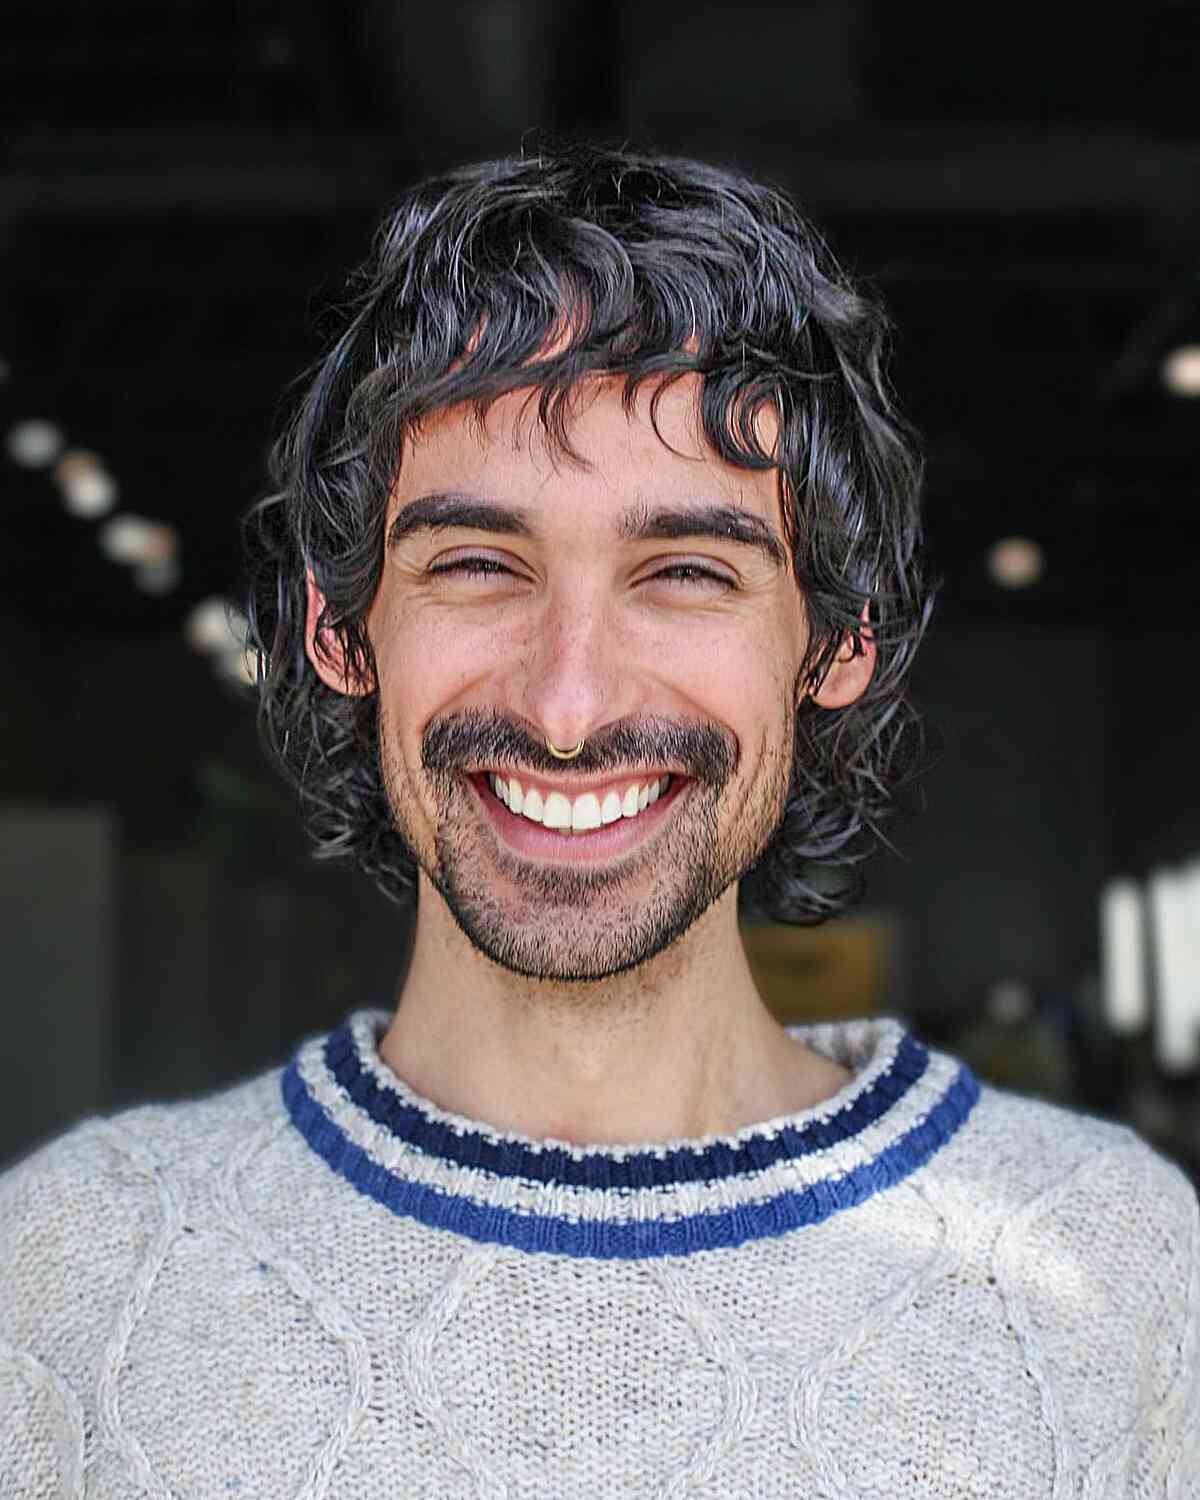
[[185, 185]]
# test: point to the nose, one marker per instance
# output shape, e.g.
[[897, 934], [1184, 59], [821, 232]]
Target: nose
[[576, 671]]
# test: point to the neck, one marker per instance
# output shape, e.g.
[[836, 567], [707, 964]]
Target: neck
[[679, 1048]]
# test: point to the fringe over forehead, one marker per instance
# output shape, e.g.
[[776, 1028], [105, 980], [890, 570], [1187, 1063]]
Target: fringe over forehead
[[535, 274]]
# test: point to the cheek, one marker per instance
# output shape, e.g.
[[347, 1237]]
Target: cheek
[[423, 661], [748, 672]]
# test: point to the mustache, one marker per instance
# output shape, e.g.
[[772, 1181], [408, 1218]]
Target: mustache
[[471, 739]]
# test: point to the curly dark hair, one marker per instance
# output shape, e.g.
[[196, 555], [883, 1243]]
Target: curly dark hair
[[639, 266]]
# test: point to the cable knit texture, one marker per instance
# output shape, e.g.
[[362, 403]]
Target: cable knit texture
[[315, 1285]]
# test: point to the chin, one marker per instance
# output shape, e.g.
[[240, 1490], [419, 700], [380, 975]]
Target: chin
[[574, 927]]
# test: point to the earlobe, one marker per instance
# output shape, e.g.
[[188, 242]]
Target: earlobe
[[325, 653]]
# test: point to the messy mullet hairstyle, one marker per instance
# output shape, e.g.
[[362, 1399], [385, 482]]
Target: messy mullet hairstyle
[[640, 267]]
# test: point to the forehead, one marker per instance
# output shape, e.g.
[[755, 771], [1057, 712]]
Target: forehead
[[617, 453]]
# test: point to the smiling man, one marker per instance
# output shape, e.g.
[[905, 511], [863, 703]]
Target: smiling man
[[585, 607]]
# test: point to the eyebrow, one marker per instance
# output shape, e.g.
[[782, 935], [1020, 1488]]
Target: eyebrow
[[724, 522], [639, 523]]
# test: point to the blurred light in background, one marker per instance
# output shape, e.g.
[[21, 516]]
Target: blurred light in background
[[1174, 902], [1181, 370], [1010, 1002], [88, 489], [1150, 950], [134, 539], [1016, 562], [217, 629], [1123, 957], [34, 443], [237, 667], [215, 625], [158, 575]]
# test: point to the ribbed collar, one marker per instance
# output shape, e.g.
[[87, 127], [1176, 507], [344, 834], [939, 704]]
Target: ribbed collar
[[629, 1202]]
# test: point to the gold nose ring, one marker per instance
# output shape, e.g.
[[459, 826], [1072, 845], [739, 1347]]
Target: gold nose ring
[[564, 754]]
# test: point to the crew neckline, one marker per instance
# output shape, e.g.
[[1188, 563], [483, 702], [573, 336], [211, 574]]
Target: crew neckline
[[635, 1200]]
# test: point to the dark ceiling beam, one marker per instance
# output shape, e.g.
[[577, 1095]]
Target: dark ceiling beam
[[940, 170], [247, 189], [882, 172], [281, 283]]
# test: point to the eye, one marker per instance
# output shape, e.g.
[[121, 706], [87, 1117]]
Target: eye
[[692, 573], [478, 567]]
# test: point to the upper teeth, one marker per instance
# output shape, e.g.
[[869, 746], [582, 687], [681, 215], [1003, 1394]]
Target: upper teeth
[[587, 811]]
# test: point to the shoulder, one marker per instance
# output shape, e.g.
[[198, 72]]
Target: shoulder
[[84, 1222], [1085, 1226], [81, 1213], [1042, 1152], [1003, 1158]]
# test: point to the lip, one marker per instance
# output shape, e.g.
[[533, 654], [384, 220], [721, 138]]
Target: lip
[[537, 842]]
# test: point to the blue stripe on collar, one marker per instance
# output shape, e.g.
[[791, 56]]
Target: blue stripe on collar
[[603, 1169], [611, 1239]]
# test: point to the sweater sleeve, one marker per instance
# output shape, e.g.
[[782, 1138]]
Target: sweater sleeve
[[1165, 1459], [41, 1421], [70, 1230]]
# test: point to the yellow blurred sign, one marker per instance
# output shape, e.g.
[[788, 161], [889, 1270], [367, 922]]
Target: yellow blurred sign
[[841, 969]]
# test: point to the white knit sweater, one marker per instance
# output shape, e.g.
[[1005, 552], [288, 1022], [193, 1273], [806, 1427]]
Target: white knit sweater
[[316, 1285]]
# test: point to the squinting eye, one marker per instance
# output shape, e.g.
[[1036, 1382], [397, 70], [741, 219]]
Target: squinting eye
[[678, 573], [691, 573], [478, 566]]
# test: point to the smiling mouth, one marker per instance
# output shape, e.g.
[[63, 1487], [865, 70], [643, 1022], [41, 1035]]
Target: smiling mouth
[[604, 813]]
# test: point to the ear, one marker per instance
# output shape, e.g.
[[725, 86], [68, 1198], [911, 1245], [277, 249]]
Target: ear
[[325, 652], [847, 679]]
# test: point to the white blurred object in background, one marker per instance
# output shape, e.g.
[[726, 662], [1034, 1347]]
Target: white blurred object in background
[[236, 667], [135, 539], [157, 575], [88, 489], [1016, 562], [1174, 906], [1123, 939], [34, 443], [216, 629], [214, 625], [1181, 370]]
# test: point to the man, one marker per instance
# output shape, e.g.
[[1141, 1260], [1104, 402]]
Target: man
[[584, 607]]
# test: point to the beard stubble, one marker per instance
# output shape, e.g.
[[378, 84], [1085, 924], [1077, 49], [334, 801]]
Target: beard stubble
[[575, 923]]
